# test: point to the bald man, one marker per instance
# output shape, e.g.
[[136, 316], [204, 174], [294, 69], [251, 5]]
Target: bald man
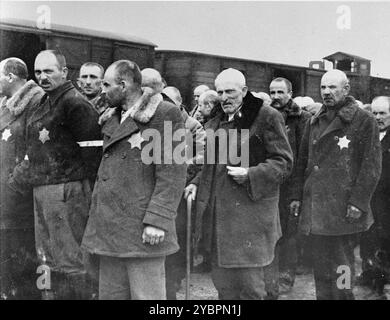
[[18, 261], [237, 203], [338, 167], [197, 93]]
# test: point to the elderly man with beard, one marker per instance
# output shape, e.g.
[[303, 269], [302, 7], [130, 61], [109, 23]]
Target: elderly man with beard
[[18, 261], [375, 243], [238, 202], [280, 274], [338, 168], [132, 218]]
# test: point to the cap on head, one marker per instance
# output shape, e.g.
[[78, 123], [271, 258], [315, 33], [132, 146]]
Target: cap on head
[[231, 75]]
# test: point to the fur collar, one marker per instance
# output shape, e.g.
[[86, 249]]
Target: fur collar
[[244, 118], [21, 99], [142, 111], [346, 113], [292, 109]]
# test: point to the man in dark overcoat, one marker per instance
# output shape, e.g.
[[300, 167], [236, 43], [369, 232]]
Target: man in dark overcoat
[[375, 243], [237, 201], [60, 132], [18, 261], [280, 274], [338, 167], [132, 218]]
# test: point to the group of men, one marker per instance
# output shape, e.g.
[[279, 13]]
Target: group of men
[[92, 185]]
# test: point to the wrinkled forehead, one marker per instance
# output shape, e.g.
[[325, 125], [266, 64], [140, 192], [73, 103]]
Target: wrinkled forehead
[[90, 70], [332, 80], [278, 85], [228, 84], [380, 104]]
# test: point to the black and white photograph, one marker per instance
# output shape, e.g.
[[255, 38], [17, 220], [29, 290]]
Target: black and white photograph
[[194, 151]]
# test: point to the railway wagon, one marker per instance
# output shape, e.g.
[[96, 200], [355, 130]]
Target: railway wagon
[[23, 39], [186, 70]]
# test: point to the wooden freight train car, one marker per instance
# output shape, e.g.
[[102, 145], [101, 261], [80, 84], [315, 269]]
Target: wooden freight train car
[[186, 70], [23, 39]]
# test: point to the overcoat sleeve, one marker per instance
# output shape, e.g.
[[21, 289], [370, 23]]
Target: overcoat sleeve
[[82, 121], [277, 166], [370, 168], [298, 177], [170, 178]]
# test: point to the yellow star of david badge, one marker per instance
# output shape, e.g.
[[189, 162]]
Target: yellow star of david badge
[[136, 140], [343, 142], [6, 134], [44, 135]]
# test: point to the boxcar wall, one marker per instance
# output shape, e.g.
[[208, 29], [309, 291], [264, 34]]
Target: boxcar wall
[[186, 70], [24, 40]]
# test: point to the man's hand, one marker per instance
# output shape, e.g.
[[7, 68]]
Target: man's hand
[[353, 214], [190, 191], [153, 235], [294, 208], [239, 174]]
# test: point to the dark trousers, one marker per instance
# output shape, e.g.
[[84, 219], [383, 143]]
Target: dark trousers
[[18, 265], [329, 254], [238, 283]]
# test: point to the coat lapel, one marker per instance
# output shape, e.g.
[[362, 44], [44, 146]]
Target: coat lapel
[[6, 118], [41, 111], [336, 124], [121, 130]]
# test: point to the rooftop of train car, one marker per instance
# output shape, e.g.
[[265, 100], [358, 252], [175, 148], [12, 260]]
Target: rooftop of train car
[[28, 25]]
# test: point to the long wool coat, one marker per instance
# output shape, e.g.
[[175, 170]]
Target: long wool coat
[[246, 224], [381, 198], [341, 167], [129, 193], [16, 207]]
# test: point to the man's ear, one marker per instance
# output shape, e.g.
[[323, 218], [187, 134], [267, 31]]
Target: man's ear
[[244, 90], [65, 72]]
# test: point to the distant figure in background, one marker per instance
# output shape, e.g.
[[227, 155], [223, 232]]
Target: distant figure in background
[[375, 243], [152, 78], [303, 102], [314, 108], [367, 107], [197, 92], [18, 262], [263, 96], [207, 102], [280, 274], [90, 83]]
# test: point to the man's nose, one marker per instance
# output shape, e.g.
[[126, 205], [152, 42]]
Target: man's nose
[[42, 76], [326, 90], [88, 80]]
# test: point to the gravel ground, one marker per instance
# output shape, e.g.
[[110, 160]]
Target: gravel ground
[[202, 288]]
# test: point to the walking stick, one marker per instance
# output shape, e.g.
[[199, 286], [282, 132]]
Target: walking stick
[[188, 247]]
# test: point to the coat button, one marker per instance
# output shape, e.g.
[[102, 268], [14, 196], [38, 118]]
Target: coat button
[[237, 203], [336, 138], [106, 155], [316, 168], [123, 155], [104, 178], [314, 142]]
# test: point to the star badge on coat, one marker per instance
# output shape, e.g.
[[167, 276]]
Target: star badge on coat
[[44, 135], [136, 140], [6, 134], [343, 142]]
